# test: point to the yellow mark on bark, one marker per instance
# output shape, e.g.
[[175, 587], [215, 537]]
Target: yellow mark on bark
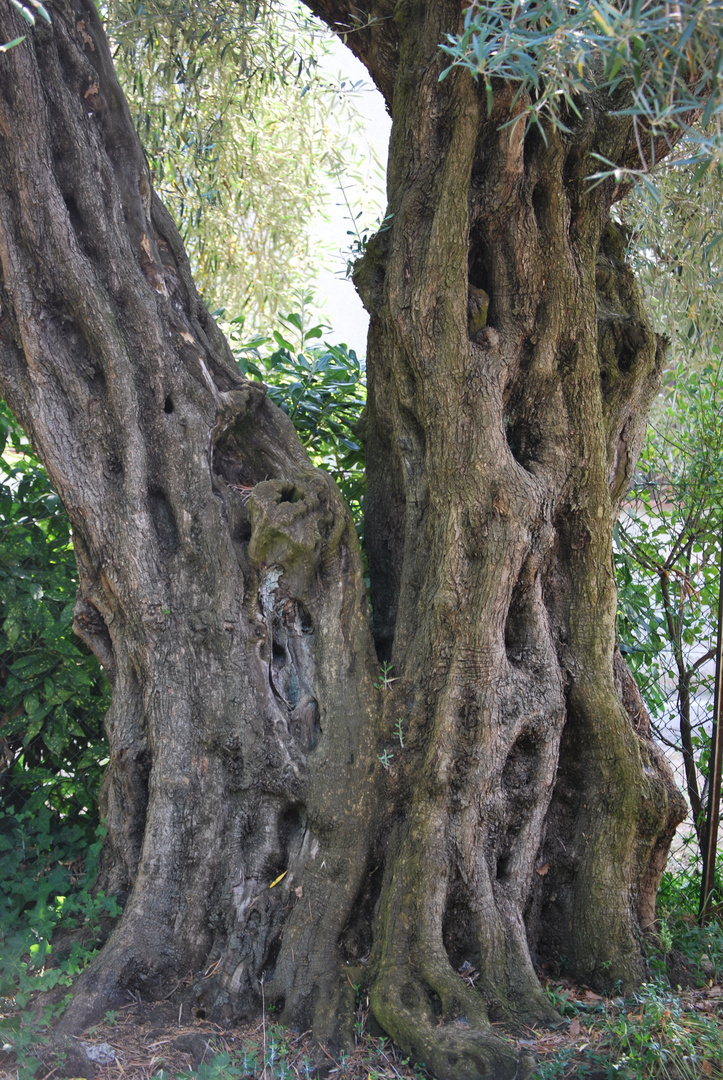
[[278, 879]]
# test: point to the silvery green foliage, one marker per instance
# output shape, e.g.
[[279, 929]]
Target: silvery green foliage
[[235, 113], [658, 63]]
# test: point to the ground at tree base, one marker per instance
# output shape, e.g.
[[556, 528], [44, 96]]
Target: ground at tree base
[[597, 1034]]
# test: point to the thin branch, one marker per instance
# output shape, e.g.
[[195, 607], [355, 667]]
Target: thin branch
[[369, 31]]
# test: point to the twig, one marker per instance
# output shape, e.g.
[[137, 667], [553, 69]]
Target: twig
[[263, 1020], [173, 990], [396, 1073], [212, 969], [300, 1037]]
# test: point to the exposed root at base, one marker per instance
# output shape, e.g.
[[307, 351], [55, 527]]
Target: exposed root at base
[[463, 1048]]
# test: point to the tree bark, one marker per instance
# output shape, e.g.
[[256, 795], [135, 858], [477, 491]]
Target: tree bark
[[499, 804]]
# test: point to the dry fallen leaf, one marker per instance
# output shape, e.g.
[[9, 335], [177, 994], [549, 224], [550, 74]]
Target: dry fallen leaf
[[574, 1028], [542, 870]]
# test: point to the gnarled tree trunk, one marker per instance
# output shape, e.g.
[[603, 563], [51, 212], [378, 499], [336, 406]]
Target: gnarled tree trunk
[[525, 813]]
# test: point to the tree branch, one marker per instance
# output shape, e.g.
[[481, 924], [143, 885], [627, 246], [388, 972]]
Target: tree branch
[[369, 30]]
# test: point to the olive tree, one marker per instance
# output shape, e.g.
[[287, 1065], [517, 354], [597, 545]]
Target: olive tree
[[283, 814]]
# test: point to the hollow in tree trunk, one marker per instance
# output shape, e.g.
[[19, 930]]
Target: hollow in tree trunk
[[497, 803]]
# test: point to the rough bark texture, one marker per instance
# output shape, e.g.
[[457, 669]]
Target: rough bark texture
[[527, 814]]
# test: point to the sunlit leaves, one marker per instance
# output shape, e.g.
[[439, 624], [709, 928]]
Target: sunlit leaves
[[11, 44], [657, 62], [28, 14], [234, 114], [322, 388], [28, 10], [676, 254]]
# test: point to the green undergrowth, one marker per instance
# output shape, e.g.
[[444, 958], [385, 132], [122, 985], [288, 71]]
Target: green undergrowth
[[45, 897], [281, 1056], [53, 697], [51, 921], [665, 1031], [677, 910], [655, 1034]]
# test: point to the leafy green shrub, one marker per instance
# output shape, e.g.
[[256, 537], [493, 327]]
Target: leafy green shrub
[[667, 564], [677, 909], [48, 888], [50, 920], [53, 695], [322, 389]]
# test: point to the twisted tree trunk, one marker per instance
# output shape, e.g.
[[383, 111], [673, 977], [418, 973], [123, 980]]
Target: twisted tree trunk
[[495, 804]]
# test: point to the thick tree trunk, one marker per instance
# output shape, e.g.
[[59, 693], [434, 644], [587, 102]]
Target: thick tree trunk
[[535, 809], [220, 578], [523, 814]]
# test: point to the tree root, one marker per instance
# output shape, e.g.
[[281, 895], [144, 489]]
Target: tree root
[[457, 1045]]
